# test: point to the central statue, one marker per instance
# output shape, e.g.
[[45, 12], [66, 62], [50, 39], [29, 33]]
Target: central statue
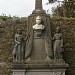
[[39, 43]]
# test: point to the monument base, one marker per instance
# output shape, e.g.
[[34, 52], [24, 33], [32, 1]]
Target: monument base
[[18, 72], [40, 68], [46, 72], [40, 72]]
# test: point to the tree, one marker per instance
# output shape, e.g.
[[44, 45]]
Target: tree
[[66, 10]]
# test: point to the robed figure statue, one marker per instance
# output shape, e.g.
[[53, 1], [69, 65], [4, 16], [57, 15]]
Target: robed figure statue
[[58, 44], [19, 48]]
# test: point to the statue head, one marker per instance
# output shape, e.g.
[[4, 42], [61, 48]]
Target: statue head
[[38, 20], [19, 31], [58, 29]]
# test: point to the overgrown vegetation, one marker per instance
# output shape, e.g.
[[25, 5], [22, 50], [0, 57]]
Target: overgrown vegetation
[[66, 10]]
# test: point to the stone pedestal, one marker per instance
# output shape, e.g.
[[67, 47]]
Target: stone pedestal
[[40, 52], [40, 72], [40, 68], [18, 68], [46, 72], [18, 72]]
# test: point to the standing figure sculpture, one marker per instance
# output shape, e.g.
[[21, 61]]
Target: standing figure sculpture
[[58, 44], [19, 48], [39, 41]]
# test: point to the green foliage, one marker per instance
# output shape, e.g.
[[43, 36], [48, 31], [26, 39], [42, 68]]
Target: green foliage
[[66, 10], [3, 17], [62, 18]]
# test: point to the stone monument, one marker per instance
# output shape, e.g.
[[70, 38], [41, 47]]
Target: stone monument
[[39, 46], [39, 55]]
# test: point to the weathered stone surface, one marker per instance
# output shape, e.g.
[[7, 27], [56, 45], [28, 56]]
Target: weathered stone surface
[[18, 72], [40, 72], [38, 7], [39, 46], [40, 68], [38, 4]]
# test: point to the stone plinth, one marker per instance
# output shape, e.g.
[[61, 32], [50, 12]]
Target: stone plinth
[[38, 11], [38, 7], [40, 68], [38, 4], [40, 72], [46, 72], [18, 72]]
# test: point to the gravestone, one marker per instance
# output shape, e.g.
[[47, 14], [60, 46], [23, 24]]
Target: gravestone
[[39, 55]]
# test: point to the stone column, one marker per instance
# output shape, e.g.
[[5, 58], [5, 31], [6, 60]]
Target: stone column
[[38, 7], [38, 4]]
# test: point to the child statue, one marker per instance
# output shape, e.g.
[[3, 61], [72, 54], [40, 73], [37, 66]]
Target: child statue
[[58, 44], [19, 50]]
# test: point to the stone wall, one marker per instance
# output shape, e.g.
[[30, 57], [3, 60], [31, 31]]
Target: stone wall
[[9, 27]]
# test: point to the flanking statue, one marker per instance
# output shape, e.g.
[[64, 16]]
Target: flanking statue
[[19, 48], [58, 44]]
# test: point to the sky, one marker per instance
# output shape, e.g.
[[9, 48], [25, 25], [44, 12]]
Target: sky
[[21, 8]]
